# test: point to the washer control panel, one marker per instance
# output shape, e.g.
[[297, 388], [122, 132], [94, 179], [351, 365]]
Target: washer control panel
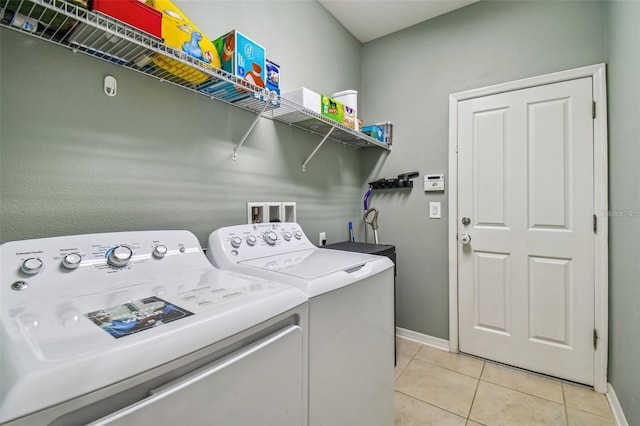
[[80, 262], [250, 241]]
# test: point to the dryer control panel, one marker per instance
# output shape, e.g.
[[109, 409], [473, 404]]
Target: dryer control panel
[[233, 244]]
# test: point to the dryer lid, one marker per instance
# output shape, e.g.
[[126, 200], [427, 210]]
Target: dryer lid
[[311, 264]]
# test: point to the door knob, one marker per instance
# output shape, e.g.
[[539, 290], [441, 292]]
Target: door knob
[[465, 239], [466, 221]]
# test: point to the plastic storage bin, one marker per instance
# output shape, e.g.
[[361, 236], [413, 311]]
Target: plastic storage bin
[[132, 12]]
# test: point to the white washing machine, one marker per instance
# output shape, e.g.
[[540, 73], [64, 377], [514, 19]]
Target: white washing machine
[[351, 331], [138, 328]]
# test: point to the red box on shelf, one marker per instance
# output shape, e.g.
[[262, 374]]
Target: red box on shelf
[[132, 12]]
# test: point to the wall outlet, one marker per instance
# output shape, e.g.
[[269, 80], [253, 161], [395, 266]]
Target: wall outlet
[[322, 239]]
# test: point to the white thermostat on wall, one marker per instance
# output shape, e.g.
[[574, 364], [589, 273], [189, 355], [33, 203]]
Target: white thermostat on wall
[[434, 182]]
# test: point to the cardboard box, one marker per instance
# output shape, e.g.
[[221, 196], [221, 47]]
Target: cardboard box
[[376, 132], [331, 108], [349, 99], [179, 32], [242, 57], [273, 76]]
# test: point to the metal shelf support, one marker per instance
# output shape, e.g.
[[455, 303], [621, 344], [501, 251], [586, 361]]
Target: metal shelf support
[[246, 135], [324, 139]]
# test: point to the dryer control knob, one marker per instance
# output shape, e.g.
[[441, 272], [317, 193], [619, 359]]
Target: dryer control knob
[[236, 242], [31, 266], [297, 234], [286, 235], [159, 251], [71, 261], [119, 256], [270, 237], [251, 240]]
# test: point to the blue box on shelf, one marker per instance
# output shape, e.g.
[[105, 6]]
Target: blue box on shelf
[[241, 57], [376, 132]]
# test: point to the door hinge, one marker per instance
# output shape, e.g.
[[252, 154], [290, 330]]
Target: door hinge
[[595, 224], [593, 109], [595, 339]]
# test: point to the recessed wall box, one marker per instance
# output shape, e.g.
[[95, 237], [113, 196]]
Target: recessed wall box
[[434, 182]]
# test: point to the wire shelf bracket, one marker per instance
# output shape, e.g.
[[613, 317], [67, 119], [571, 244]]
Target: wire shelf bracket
[[324, 139], [246, 135]]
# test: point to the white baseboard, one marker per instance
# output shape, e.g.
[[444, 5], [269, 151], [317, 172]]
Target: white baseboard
[[424, 339], [615, 406]]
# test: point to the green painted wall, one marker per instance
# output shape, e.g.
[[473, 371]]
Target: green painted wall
[[407, 78], [75, 161], [623, 84], [158, 157]]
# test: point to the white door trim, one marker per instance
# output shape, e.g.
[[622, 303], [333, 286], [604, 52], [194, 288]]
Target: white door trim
[[598, 74]]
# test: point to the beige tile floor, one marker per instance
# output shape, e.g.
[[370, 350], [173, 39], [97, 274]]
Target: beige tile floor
[[434, 387]]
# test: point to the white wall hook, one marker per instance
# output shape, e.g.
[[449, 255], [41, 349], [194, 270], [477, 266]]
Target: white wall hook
[[110, 86]]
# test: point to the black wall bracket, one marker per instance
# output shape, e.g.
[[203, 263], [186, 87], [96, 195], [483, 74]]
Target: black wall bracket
[[402, 181]]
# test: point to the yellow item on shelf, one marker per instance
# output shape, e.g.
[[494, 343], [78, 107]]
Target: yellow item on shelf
[[179, 32]]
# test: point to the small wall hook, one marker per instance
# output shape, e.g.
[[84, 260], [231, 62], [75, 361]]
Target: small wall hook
[[110, 86]]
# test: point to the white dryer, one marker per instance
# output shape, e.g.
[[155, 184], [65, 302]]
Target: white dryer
[[137, 328], [351, 331]]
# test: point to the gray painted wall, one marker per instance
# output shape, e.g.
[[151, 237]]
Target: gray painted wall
[[623, 84], [407, 78], [158, 157]]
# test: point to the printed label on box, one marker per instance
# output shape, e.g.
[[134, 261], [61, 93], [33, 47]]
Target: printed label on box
[[331, 108]]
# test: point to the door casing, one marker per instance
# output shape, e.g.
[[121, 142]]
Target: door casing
[[601, 272]]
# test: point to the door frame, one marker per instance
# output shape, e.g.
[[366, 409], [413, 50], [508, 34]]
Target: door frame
[[600, 142]]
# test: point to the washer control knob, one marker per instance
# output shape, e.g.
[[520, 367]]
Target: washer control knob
[[119, 256], [270, 238], [297, 234], [236, 242], [159, 251], [71, 261], [19, 286], [251, 240], [286, 235], [31, 266]]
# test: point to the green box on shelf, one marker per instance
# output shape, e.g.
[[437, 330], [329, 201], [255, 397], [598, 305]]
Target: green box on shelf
[[331, 108]]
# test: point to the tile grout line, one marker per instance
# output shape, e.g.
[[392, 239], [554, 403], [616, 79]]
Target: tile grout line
[[564, 404], [430, 404], [475, 393], [444, 367], [405, 367]]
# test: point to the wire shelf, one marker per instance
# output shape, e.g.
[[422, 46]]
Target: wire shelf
[[93, 33]]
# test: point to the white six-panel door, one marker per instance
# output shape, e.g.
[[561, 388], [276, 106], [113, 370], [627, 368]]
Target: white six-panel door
[[526, 185]]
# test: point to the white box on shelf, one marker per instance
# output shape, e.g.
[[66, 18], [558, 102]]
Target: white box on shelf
[[303, 97]]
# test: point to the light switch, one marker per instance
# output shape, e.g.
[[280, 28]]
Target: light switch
[[434, 210]]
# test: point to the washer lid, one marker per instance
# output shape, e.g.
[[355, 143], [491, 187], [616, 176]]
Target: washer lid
[[311, 264], [55, 350]]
